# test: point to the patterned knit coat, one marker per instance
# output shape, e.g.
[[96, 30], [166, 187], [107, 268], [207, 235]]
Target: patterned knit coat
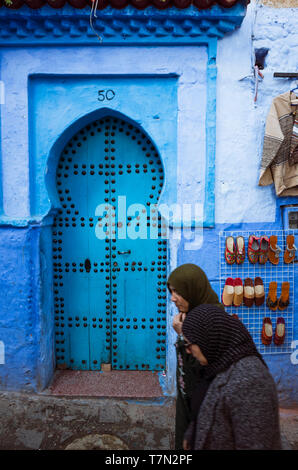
[[239, 411]]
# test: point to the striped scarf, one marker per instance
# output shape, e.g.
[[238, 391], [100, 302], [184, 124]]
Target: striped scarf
[[222, 339]]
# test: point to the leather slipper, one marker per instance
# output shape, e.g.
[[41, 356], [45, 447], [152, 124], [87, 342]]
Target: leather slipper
[[228, 292], [240, 250], [290, 252], [280, 331], [253, 249], [267, 331], [264, 246], [274, 250], [230, 252], [284, 299], [249, 292], [259, 292], [238, 292], [271, 300]]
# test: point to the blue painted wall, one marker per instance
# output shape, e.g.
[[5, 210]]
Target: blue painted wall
[[26, 332]]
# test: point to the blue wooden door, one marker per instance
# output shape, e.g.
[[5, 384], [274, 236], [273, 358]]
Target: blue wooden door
[[110, 292]]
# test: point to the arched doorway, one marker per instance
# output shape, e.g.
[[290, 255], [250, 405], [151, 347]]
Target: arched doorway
[[109, 281]]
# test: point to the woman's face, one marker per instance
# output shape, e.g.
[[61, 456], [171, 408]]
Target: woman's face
[[180, 302], [195, 351]]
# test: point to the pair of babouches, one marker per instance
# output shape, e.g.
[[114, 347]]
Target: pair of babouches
[[267, 331], [253, 293], [259, 250]]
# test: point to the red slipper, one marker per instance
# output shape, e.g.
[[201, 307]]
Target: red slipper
[[228, 292], [253, 249], [230, 252]]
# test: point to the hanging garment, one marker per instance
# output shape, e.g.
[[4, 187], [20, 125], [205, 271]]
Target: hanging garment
[[278, 163], [294, 140]]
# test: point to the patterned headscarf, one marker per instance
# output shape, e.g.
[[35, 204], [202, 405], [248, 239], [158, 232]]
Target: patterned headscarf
[[222, 339], [192, 284]]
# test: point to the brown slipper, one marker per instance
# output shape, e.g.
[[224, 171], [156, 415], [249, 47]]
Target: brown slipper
[[264, 246], [238, 292], [280, 332], [267, 331], [274, 250], [290, 252], [272, 301], [284, 299], [249, 292], [259, 292]]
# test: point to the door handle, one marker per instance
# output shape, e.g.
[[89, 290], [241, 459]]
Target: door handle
[[87, 265], [124, 252]]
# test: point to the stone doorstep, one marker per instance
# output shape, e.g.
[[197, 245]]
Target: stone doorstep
[[111, 410], [121, 384]]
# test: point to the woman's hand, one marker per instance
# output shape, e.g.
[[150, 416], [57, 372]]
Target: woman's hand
[[185, 445], [177, 322]]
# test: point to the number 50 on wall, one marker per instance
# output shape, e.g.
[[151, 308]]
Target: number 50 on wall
[[106, 95]]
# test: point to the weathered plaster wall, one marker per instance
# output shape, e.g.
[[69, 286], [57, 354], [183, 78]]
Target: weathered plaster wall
[[25, 332]]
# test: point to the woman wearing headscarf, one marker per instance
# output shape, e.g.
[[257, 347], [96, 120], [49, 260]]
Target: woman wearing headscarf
[[189, 287], [235, 404]]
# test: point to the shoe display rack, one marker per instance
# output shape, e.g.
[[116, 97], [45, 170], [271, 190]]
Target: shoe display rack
[[252, 317]]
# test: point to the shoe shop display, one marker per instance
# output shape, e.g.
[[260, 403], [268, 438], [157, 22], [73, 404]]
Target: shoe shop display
[[259, 282]]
